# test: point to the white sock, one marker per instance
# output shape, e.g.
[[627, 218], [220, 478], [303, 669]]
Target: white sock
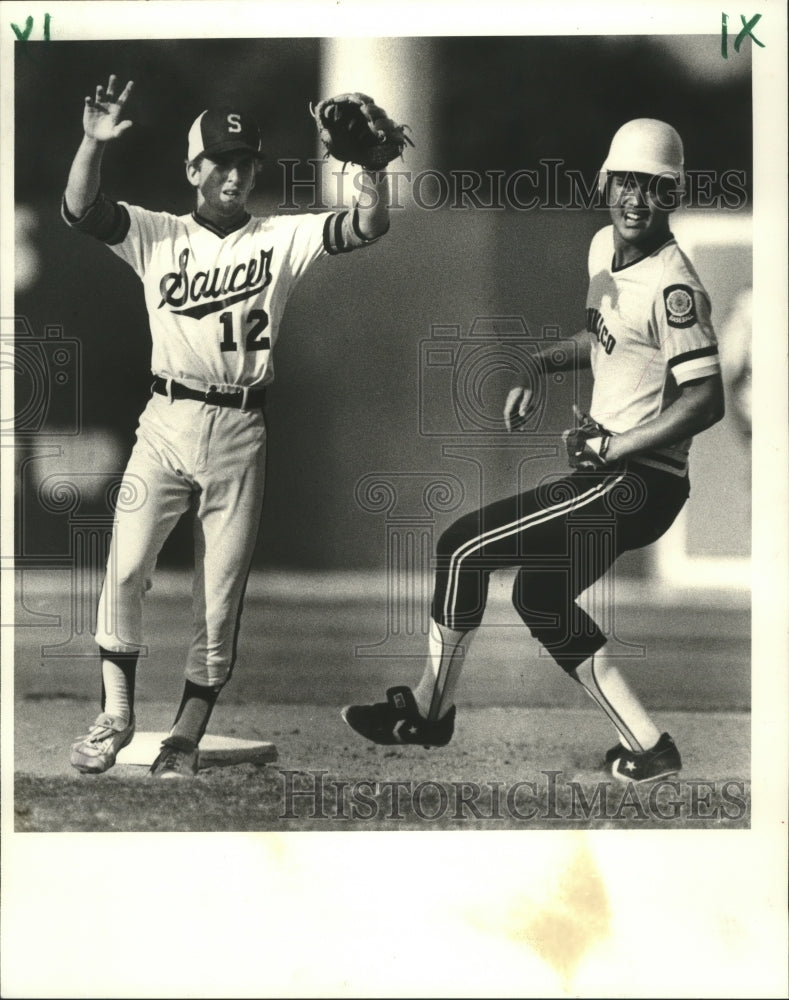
[[435, 693], [603, 682], [117, 689]]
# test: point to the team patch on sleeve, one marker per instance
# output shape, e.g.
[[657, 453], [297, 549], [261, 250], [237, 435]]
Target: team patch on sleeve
[[680, 306]]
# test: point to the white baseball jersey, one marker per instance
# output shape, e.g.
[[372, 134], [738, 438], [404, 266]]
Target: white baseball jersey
[[215, 299], [651, 332]]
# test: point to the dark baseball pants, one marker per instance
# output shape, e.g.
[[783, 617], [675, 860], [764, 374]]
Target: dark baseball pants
[[562, 536]]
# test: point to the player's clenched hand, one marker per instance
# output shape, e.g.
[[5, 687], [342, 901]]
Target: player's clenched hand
[[518, 406], [586, 443], [101, 118]]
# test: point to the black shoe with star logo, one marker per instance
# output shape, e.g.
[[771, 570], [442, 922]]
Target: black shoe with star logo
[[397, 720], [663, 759]]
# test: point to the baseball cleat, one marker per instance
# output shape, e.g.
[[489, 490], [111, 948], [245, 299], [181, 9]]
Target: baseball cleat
[[178, 758], [663, 759], [398, 720], [95, 752]]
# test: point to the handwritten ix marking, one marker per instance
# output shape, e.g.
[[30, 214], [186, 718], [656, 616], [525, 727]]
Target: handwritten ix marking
[[746, 32], [24, 34]]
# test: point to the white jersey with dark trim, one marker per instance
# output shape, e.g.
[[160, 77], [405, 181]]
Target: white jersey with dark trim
[[215, 299], [650, 329]]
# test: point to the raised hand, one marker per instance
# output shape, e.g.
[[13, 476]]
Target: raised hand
[[101, 118]]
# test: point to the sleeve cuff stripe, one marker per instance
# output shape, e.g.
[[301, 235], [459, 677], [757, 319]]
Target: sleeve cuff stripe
[[332, 233], [123, 225], [701, 352], [327, 244], [695, 370], [105, 219], [355, 224]]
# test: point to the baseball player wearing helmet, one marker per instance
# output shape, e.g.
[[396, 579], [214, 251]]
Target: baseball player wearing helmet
[[657, 383], [215, 282]]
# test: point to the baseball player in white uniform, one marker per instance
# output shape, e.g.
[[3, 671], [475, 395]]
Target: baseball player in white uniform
[[657, 383], [216, 282]]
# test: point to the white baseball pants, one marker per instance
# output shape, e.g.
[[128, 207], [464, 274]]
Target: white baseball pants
[[187, 452]]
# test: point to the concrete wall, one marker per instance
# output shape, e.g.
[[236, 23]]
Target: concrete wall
[[394, 361]]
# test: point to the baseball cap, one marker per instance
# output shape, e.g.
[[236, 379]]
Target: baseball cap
[[223, 130]]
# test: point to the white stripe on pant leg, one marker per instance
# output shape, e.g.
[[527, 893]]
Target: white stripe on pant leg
[[496, 534]]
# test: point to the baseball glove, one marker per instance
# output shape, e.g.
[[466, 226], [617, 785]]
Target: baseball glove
[[355, 130], [586, 443]]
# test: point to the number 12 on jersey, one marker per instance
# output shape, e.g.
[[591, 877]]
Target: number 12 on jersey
[[255, 341]]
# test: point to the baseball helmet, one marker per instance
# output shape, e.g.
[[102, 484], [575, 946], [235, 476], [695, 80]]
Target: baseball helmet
[[645, 146]]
